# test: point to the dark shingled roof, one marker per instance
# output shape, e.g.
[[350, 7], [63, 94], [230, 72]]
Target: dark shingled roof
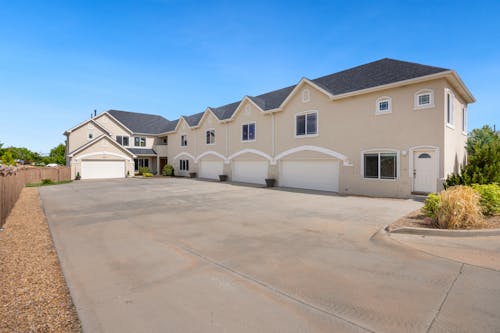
[[141, 151], [141, 122], [369, 75]]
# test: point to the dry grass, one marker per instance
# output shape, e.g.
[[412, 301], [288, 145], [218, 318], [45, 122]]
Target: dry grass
[[460, 208], [34, 296]]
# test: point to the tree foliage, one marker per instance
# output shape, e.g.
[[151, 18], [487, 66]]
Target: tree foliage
[[58, 155], [483, 166], [8, 159]]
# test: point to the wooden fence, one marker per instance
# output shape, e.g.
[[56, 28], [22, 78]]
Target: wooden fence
[[12, 185]]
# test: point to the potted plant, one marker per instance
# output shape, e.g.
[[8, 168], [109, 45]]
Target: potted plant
[[270, 182], [192, 174], [128, 174], [222, 178], [78, 177]]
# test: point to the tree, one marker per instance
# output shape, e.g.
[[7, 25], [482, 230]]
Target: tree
[[58, 155], [8, 159], [483, 166]]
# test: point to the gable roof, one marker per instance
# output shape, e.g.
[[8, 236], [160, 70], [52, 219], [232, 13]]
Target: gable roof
[[84, 123], [141, 122], [99, 138]]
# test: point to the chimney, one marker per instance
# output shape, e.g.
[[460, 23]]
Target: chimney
[[95, 112]]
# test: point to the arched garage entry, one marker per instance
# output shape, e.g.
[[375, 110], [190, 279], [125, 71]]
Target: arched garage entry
[[250, 166]]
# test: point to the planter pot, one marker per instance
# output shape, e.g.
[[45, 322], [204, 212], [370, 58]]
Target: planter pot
[[192, 174], [270, 182], [78, 177], [222, 178]]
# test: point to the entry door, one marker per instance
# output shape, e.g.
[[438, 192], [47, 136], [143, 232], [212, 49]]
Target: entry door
[[424, 171]]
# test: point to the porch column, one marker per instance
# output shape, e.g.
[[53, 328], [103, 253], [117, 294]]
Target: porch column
[[158, 171]]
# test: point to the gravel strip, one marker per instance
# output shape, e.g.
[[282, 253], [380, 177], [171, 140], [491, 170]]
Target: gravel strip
[[34, 296]]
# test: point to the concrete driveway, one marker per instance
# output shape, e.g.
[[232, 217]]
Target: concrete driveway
[[180, 255]]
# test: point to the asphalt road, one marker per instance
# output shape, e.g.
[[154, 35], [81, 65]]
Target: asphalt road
[[180, 255]]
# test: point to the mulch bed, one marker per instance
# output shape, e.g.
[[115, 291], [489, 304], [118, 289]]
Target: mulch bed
[[34, 296], [418, 220]]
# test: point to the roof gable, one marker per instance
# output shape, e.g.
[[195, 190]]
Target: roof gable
[[99, 139]]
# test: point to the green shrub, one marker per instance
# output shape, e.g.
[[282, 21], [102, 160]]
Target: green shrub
[[147, 174], [47, 181], [431, 206], [8, 159], [459, 208], [168, 170], [490, 198], [143, 170]]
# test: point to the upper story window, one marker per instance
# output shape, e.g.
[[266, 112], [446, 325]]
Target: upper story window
[[123, 140], [248, 132], [210, 137], [380, 165], [184, 140], [140, 141], [306, 123], [424, 99], [165, 140], [449, 108], [464, 120], [383, 105], [90, 135], [306, 95]]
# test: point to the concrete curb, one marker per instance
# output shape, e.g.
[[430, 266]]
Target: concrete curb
[[443, 232]]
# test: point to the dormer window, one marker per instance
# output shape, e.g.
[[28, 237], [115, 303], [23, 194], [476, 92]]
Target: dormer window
[[383, 105], [306, 95], [424, 99]]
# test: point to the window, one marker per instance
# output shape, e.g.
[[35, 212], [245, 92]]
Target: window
[[123, 140], [184, 165], [140, 141], [383, 105], [380, 165], [449, 108], [184, 140], [306, 124], [141, 163], [464, 120], [90, 135], [424, 99], [164, 140], [248, 132], [210, 137], [306, 95]]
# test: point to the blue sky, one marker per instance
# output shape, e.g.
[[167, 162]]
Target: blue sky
[[59, 60]]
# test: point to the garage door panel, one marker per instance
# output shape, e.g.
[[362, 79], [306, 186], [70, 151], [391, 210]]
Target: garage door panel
[[211, 169], [254, 172], [314, 175], [102, 169]]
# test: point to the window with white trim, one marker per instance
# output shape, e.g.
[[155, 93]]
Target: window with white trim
[[184, 165], [90, 135], [383, 105], [449, 108], [306, 95], [248, 132], [210, 137], [306, 123], [464, 120], [379, 165], [424, 99], [184, 140], [140, 141], [122, 140], [141, 163]]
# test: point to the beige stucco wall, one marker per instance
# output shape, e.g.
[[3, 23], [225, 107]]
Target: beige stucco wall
[[79, 136], [175, 148], [104, 149]]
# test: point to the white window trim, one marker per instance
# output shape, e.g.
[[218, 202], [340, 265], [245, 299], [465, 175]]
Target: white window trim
[[183, 140], [206, 131], [377, 105], [306, 95], [380, 151], [140, 137], [255, 134], [123, 136], [464, 120], [295, 124], [448, 92], [417, 106], [186, 164]]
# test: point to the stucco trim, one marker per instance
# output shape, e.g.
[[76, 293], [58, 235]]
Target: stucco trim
[[102, 153], [251, 151], [185, 154], [211, 152], [318, 149]]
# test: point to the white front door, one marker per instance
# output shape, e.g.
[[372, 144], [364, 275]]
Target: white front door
[[211, 169], [424, 171], [313, 175], [254, 172]]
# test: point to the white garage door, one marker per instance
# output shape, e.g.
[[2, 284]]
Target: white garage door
[[250, 171], [102, 169], [211, 169], [314, 175]]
